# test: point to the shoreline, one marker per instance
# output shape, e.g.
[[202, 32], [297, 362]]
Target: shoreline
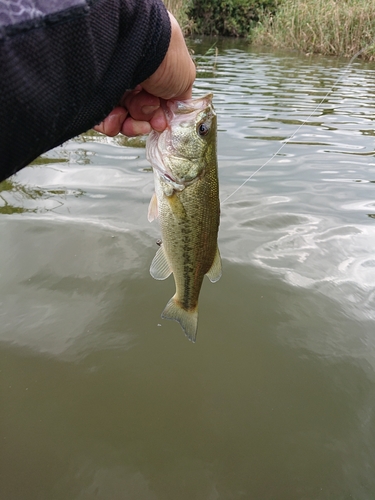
[[325, 27]]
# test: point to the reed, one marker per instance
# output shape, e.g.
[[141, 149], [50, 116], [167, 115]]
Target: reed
[[341, 27]]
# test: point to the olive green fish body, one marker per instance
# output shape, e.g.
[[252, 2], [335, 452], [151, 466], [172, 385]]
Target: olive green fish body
[[187, 204]]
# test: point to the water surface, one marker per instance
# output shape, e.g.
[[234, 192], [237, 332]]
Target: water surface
[[102, 399]]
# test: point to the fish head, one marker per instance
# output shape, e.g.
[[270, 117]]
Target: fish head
[[182, 152]]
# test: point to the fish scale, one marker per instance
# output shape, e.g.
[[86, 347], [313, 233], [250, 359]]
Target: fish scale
[[186, 201]]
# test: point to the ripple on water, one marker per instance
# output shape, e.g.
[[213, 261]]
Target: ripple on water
[[282, 376]]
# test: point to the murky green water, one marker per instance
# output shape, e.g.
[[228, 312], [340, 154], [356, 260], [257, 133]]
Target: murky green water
[[101, 399]]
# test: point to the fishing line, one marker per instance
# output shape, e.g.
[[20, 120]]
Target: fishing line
[[338, 80]]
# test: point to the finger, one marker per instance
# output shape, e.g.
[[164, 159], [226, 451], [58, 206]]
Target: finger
[[132, 128], [141, 105], [158, 121], [113, 123]]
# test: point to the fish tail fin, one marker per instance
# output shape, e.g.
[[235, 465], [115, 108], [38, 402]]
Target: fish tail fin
[[187, 319]]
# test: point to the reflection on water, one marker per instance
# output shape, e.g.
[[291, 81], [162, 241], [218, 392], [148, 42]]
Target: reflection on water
[[17, 198], [103, 399]]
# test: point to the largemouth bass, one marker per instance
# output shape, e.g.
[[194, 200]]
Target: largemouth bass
[[186, 200]]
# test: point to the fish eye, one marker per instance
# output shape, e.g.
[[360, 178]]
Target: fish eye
[[203, 129]]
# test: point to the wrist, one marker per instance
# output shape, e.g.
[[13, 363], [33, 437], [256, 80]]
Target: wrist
[[176, 74]]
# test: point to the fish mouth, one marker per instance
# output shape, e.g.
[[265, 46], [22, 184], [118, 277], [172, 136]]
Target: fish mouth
[[159, 146], [156, 156], [173, 108]]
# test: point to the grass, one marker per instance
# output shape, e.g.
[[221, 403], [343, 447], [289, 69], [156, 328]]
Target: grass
[[329, 27]]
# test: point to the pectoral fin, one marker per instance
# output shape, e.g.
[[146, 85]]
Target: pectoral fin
[[160, 268], [153, 211], [214, 274]]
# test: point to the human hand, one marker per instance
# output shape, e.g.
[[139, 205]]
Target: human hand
[[140, 109]]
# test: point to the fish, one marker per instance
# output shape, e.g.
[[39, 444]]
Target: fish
[[186, 202]]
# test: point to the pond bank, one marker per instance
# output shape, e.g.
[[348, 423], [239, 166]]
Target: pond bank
[[311, 26]]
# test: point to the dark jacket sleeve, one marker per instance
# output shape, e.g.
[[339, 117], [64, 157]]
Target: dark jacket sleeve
[[64, 64]]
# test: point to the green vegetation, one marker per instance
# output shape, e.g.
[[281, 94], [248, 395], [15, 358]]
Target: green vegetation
[[328, 27], [220, 17], [180, 9], [228, 17]]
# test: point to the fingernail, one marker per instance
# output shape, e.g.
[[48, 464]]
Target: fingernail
[[148, 110]]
